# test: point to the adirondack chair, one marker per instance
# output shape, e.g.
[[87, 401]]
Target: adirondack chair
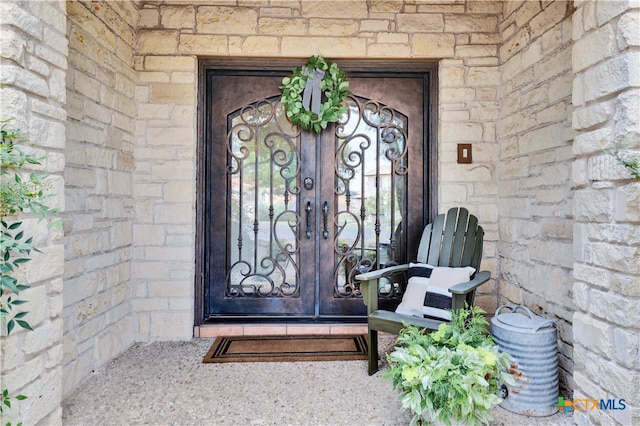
[[454, 240]]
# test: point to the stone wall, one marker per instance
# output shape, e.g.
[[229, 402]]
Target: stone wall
[[606, 272], [173, 34], [33, 50], [100, 128], [534, 165], [509, 73]]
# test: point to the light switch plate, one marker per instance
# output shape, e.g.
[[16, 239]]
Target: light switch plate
[[464, 153]]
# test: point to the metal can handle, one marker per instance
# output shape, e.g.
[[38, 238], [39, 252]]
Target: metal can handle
[[529, 313]]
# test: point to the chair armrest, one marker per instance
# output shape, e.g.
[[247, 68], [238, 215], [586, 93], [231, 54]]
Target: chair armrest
[[464, 288], [369, 285], [374, 275]]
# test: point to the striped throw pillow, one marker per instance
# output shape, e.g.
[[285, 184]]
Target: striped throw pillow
[[427, 293]]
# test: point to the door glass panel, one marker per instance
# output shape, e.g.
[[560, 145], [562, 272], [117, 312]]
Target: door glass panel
[[370, 189], [262, 175]]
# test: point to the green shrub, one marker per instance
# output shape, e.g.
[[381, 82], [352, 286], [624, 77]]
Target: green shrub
[[451, 375]]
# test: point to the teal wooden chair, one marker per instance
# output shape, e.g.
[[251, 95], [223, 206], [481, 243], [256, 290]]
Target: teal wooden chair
[[452, 240]]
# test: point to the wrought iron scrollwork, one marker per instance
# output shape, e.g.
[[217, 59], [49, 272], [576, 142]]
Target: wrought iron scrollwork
[[370, 176], [263, 171]]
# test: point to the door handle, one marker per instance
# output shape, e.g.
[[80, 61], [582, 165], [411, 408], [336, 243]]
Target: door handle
[[308, 209], [325, 220]]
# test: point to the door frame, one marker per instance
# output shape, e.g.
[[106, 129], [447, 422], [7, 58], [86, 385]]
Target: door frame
[[247, 65]]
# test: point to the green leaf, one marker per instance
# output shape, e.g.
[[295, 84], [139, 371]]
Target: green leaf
[[24, 324], [10, 325], [9, 282], [13, 225]]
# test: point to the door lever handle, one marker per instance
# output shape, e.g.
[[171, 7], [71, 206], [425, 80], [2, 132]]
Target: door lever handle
[[325, 220], [308, 209]]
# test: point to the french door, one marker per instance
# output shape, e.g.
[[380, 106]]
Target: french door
[[288, 217]]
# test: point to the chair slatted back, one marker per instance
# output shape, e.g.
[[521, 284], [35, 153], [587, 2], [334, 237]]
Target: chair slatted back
[[454, 239]]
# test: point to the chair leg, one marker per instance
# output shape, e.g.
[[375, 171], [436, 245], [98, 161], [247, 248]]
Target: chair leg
[[373, 351]]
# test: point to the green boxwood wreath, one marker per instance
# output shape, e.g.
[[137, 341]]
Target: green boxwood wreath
[[334, 87]]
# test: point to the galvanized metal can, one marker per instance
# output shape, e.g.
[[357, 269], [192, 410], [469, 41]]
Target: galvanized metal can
[[531, 341]]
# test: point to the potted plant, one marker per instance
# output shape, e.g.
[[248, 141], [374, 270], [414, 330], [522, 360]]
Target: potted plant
[[452, 375]]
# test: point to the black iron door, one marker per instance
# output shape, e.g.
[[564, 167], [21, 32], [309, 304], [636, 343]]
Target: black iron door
[[289, 217]]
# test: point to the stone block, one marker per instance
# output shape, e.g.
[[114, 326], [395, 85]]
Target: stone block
[[607, 10], [148, 18], [46, 265], [13, 14], [612, 76], [468, 173], [172, 93], [203, 44], [173, 213], [592, 205], [483, 76], [281, 26], [13, 46], [226, 20], [324, 46], [627, 118], [433, 45], [335, 9], [170, 289], [45, 396], [460, 132], [171, 325], [43, 337], [388, 50], [593, 48], [626, 347], [331, 27], [475, 51], [374, 25], [178, 192], [260, 45], [179, 17], [470, 23], [114, 340], [420, 22], [22, 375], [457, 94], [592, 115], [149, 270], [552, 66], [36, 298], [452, 194], [173, 170], [627, 200], [592, 333], [627, 34], [552, 136], [581, 295], [169, 63], [149, 235], [149, 304], [615, 257], [552, 114], [157, 42], [618, 381]]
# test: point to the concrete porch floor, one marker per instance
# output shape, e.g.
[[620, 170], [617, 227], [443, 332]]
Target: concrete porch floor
[[166, 383]]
